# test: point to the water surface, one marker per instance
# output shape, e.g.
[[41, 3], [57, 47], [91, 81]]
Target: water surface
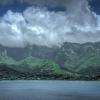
[[49, 90]]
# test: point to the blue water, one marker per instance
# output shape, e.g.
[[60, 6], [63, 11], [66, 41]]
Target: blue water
[[49, 90]]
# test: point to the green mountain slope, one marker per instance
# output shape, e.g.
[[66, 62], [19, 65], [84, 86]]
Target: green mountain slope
[[91, 66], [41, 65], [69, 60], [75, 57], [33, 68]]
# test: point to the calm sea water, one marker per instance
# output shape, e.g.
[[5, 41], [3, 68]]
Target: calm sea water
[[49, 90]]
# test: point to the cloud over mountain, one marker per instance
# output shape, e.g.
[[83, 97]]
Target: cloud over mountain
[[40, 26]]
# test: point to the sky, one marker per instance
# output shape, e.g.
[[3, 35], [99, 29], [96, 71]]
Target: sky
[[49, 22]]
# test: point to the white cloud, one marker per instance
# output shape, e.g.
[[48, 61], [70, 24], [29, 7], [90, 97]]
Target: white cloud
[[43, 27]]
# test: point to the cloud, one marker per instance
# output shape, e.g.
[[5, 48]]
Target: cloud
[[37, 2], [40, 26]]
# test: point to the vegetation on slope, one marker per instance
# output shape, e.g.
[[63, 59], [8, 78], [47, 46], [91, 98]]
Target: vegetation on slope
[[70, 61]]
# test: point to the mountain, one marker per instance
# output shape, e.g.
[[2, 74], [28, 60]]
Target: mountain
[[81, 58], [70, 61]]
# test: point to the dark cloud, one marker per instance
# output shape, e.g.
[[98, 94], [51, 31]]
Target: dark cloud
[[37, 2]]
